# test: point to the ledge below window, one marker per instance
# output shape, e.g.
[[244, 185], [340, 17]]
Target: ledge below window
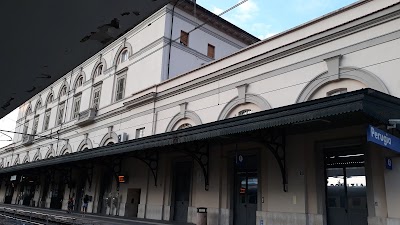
[[86, 117]]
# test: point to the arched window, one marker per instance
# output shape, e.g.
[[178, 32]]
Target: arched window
[[50, 98], [185, 125], [123, 56], [98, 71], [79, 82], [63, 91], [29, 110], [38, 105], [245, 112]]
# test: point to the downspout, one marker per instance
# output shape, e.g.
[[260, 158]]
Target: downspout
[[170, 38]]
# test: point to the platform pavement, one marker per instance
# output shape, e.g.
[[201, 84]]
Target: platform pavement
[[91, 218]]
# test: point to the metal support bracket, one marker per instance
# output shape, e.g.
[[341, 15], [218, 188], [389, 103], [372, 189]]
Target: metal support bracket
[[151, 160], [67, 176], [200, 152], [117, 169], [274, 141], [89, 175]]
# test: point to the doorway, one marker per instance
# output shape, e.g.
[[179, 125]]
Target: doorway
[[45, 192], [80, 191], [346, 187], [105, 186], [28, 194], [132, 202], [57, 194], [246, 190], [9, 193], [182, 180]]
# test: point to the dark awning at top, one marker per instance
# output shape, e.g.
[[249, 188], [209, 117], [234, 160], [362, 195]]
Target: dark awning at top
[[372, 104]]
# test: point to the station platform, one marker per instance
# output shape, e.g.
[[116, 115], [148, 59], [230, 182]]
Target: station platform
[[76, 218]]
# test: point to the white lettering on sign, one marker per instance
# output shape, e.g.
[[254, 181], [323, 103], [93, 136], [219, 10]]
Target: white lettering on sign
[[380, 137]]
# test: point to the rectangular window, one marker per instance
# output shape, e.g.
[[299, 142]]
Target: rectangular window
[[184, 38], [76, 107], [96, 97], [120, 89], [140, 132], [46, 120], [60, 114], [211, 51], [26, 125], [35, 124]]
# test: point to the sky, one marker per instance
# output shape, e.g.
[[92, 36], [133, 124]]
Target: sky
[[265, 18], [261, 18], [8, 123]]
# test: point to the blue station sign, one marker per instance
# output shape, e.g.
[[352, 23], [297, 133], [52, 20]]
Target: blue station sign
[[382, 138]]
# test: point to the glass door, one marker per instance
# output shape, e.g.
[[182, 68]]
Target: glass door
[[246, 198], [346, 190]]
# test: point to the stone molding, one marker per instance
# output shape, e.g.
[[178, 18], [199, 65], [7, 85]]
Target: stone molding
[[101, 60], [85, 142], [66, 149], [353, 73], [183, 114], [124, 45], [243, 98], [111, 135]]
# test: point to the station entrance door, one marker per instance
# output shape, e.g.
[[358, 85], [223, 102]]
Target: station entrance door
[[346, 187]]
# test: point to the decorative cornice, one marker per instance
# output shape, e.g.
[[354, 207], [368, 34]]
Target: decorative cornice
[[123, 70], [141, 100], [147, 48], [98, 83], [202, 28], [191, 51]]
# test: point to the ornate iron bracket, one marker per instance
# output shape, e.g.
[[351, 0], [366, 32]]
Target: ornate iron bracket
[[200, 152], [275, 141], [67, 176], [116, 165], [151, 160], [89, 175]]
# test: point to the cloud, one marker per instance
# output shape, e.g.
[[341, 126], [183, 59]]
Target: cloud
[[260, 27], [267, 35], [246, 11], [304, 6], [262, 30], [240, 15], [216, 10]]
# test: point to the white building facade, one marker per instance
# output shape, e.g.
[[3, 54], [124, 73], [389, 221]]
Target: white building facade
[[267, 135]]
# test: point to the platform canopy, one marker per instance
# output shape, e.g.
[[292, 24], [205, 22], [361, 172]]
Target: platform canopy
[[354, 108], [42, 40]]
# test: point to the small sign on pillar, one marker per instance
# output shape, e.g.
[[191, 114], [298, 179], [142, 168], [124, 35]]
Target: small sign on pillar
[[388, 163], [239, 159]]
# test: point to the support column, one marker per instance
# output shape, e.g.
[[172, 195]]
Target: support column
[[376, 191]]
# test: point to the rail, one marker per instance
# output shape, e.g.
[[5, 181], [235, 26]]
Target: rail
[[41, 218]]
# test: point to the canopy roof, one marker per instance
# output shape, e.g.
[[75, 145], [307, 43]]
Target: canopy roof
[[353, 108]]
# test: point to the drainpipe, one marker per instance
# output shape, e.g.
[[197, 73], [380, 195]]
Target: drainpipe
[[170, 38]]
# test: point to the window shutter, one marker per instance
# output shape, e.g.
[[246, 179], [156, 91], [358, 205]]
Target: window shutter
[[211, 51], [120, 89], [184, 38]]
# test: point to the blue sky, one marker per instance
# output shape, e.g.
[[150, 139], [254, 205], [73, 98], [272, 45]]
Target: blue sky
[[265, 18]]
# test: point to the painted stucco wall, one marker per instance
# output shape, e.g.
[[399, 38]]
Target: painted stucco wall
[[278, 77]]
